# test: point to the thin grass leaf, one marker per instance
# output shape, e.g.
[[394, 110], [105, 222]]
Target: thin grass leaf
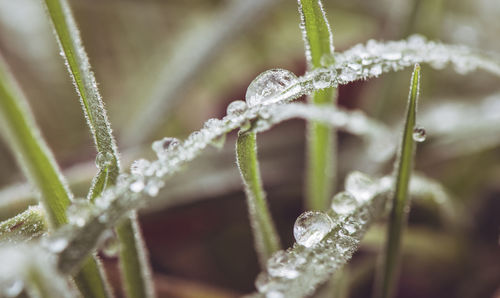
[[135, 269], [39, 166], [321, 140], [25, 226], [387, 281], [265, 236]]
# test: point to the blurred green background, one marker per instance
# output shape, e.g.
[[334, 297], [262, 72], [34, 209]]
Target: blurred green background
[[186, 60]]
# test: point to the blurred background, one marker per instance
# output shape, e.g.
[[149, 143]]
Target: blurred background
[[165, 67]]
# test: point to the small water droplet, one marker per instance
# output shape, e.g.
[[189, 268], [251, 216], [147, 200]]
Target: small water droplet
[[139, 167], [110, 246], [237, 108], [79, 211], [311, 227], [323, 78], [137, 185], [57, 245], [274, 294], [327, 60], [283, 264], [344, 203], [211, 123], [347, 75], [161, 147], [361, 186], [103, 159], [13, 288], [419, 134], [376, 70], [270, 86], [219, 141]]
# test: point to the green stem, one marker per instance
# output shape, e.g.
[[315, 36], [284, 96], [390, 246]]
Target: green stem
[[137, 279], [265, 235], [25, 226], [321, 140], [388, 277], [36, 160]]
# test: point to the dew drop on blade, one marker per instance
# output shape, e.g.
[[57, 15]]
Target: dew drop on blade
[[344, 203], [311, 227], [361, 186], [419, 134], [270, 87], [236, 108], [103, 159]]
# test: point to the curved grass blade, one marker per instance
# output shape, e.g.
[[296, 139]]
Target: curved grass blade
[[25, 226], [135, 269], [264, 232], [388, 277], [321, 139], [38, 164]]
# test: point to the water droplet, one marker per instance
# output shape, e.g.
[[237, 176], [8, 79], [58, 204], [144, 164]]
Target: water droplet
[[270, 86], [327, 60], [110, 246], [376, 70], [347, 75], [344, 203], [311, 227], [211, 123], [392, 56], [153, 187], [161, 147], [274, 294], [237, 108], [419, 134], [323, 78], [79, 211], [57, 245], [137, 185], [103, 159], [139, 167], [361, 186], [283, 264], [13, 288]]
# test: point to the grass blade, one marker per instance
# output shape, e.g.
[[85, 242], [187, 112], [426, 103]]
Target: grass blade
[[265, 236], [135, 269], [38, 164], [321, 140], [25, 226], [387, 280]]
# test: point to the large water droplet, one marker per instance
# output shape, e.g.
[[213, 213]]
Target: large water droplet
[[361, 186], [419, 134], [270, 87], [311, 227], [344, 203], [103, 159], [236, 108]]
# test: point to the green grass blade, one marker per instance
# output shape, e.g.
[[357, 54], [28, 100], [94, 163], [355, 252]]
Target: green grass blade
[[36, 160], [25, 226], [136, 279], [265, 235], [388, 277], [321, 145], [31, 151]]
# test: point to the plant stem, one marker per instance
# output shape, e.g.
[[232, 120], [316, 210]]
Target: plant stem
[[37, 162], [25, 226], [137, 277], [388, 275], [265, 235], [321, 140]]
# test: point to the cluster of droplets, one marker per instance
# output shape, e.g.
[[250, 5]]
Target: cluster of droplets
[[325, 240]]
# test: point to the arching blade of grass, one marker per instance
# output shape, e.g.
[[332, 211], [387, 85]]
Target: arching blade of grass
[[321, 145], [265, 236], [25, 226], [39, 166], [387, 280], [135, 270]]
